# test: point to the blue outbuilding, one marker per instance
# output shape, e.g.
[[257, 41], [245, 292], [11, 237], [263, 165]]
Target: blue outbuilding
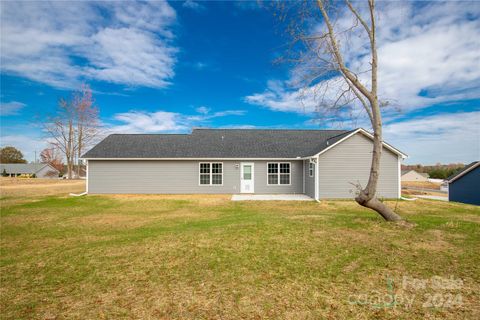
[[464, 186]]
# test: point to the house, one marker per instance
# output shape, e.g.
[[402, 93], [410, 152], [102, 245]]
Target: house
[[40, 170], [412, 175], [464, 186], [319, 163]]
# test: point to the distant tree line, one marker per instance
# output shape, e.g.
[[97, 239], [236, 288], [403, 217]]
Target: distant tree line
[[437, 171]]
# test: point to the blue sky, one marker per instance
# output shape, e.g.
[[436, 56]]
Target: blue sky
[[169, 66]]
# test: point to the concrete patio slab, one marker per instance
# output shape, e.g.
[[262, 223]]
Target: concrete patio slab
[[271, 197]]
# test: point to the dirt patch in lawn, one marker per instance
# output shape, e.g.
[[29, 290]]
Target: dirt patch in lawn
[[113, 220], [434, 242], [206, 199]]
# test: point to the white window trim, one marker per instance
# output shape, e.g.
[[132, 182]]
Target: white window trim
[[211, 173], [311, 169], [278, 174]]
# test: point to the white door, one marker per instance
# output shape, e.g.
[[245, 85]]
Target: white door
[[246, 177]]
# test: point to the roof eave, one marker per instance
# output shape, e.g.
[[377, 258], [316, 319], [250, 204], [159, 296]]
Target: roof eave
[[366, 133], [202, 158], [461, 174]]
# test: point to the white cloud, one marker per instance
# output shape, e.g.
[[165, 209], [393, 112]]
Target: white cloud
[[203, 110], [445, 138], [194, 5], [428, 53], [279, 97], [62, 43], [131, 57], [163, 121], [227, 113], [146, 122], [11, 108]]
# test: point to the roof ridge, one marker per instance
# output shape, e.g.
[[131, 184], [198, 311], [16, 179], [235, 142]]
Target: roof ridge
[[266, 129], [149, 134], [345, 131]]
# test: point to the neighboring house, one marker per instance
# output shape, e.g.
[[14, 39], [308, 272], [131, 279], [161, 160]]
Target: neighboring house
[[319, 163], [464, 186], [412, 175], [40, 170]]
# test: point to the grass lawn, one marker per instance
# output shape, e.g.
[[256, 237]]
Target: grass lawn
[[205, 257]]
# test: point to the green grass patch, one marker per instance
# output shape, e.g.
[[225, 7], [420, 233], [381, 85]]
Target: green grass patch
[[207, 258]]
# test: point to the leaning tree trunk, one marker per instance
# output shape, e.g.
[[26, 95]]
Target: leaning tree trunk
[[367, 197]]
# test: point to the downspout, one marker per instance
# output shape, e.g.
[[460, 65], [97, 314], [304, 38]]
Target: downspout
[[317, 179], [303, 165]]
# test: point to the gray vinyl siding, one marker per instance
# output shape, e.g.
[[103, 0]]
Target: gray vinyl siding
[[309, 181], [349, 162], [179, 177]]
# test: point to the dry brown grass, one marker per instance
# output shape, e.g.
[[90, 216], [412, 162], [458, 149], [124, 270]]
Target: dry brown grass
[[206, 257], [420, 184], [202, 199], [26, 188], [6, 181], [423, 193]]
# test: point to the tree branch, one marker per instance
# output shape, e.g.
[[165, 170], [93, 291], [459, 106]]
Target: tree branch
[[338, 57]]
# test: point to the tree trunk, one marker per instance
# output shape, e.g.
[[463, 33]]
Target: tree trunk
[[375, 204], [367, 196], [80, 144], [70, 152]]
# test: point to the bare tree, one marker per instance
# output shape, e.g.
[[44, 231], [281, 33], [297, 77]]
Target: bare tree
[[87, 123], [52, 157], [73, 127], [338, 88], [61, 132]]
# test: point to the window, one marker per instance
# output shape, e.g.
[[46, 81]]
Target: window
[[247, 172], [211, 173], [311, 169], [278, 173]]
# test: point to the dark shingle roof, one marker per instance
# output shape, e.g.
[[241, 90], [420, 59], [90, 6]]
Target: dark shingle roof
[[217, 143], [460, 173]]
